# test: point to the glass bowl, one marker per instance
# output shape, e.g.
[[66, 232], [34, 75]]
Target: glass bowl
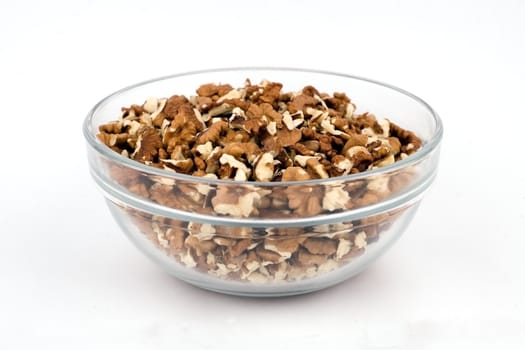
[[241, 237]]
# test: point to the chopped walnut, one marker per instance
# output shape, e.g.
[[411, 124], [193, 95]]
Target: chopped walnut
[[242, 173], [265, 167], [336, 198], [323, 246], [235, 201], [259, 133]]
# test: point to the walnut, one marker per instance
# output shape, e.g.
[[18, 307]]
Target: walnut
[[207, 90], [378, 185], [242, 173], [316, 168], [268, 256], [204, 149], [212, 133], [235, 201], [175, 236], [360, 157], [272, 114], [360, 240], [304, 200], [336, 198], [409, 140], [390, 159], [338, 102], [202, 103], [271, 93], [300, 102], [233, 135], [148, 145], [283, 247], [307, 259], [181, 166], [239, 247], [231, 94], [200, 247], [163, 194], [172, 105], [342, 165], [288, 137], [323, 246], [329, 128], [248, 150], [181, 131], [113, 140], [187, 259], [201, 231], [295, 174], [259, 133], [264, 167], [113, 127], [343, 248], [222, 109], [303, 149]]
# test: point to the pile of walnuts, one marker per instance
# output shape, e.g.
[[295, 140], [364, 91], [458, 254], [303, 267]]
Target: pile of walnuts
[[258, 133]]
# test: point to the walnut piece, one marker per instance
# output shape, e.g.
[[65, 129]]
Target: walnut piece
[[259, 133]]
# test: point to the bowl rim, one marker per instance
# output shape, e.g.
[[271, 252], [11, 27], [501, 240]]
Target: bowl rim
[[427, 148]]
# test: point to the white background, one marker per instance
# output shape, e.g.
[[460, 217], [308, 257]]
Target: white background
[[70, 279]]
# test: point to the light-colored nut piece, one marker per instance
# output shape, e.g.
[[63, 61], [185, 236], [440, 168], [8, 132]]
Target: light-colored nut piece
[[301, 160], [271, 128], [222, 270], [295, 174], [161, 236], [151, 105], [343, 248], [344, 165], [237, 201], [328, 266], [257, 277], [378, 184], [132, 125], [265, 167], [242, 173], [349, 112], [205, 189], [317, 168], [283, 247], [202, 232], [200, 247], [385, 161], [329, 128], [355, 150], [385, 127], [232, 95], [223, 241], [316, 114], [205, 149], [181, 166], [360, 240], [281, 272], [336, 198], [187, 259], [288, 121]]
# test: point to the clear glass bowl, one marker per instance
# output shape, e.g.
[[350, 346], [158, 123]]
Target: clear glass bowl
[[254, 246]]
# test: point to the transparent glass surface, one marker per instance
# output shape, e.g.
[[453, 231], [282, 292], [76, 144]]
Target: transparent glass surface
[[242, 237]]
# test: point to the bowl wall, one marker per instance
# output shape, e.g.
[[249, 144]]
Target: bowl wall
[[259, 246]]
